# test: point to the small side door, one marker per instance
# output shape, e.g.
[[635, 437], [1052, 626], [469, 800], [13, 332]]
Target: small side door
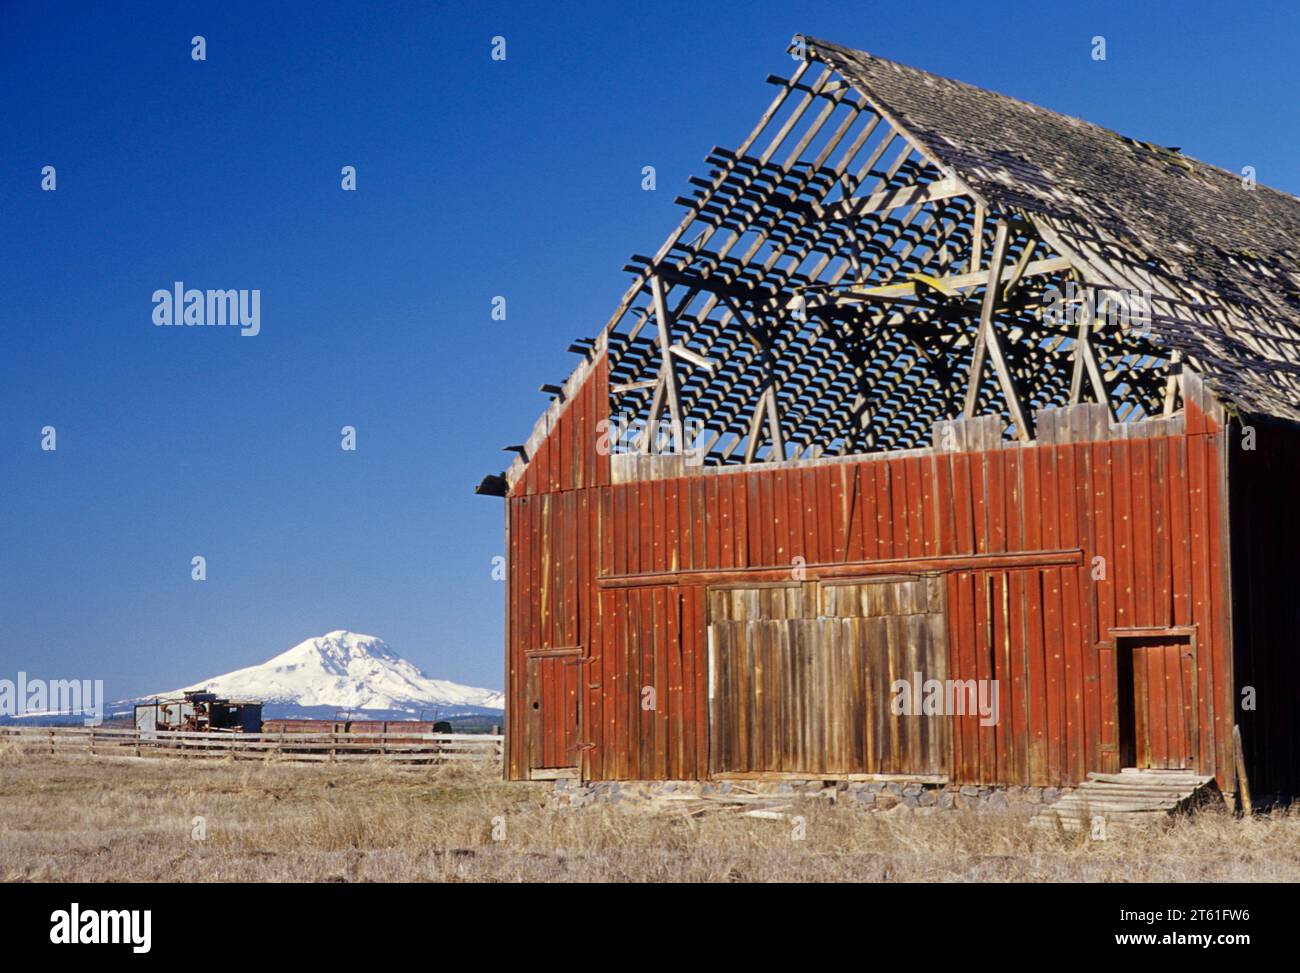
[[554, 712], [1157, 698]]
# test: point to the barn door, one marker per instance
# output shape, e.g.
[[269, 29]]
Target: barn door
[[802, 676], [1158, 724], [554, 710]]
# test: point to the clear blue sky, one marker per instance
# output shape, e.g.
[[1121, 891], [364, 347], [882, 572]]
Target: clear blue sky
[[476, 178]]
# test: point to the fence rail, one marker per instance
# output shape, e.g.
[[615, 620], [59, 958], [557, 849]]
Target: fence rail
[[393, 746]]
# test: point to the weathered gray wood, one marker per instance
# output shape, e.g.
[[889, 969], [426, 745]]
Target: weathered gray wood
[[986, 339]]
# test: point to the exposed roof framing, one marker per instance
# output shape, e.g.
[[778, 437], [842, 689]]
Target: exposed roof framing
[[1219, 259], [876, 255]]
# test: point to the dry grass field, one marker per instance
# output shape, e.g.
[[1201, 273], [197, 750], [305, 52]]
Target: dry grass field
[[110, 819]]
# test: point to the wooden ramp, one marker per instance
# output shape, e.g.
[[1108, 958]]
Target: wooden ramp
[[1131, 797]]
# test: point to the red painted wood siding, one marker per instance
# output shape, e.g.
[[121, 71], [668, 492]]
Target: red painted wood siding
[[1150, 507]]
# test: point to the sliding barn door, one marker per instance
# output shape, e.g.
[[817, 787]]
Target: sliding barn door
[[802, 677]]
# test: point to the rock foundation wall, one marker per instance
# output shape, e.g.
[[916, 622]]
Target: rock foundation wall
[[862, 794]]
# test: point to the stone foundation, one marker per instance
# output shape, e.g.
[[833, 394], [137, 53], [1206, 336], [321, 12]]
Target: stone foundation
[[864, 795]]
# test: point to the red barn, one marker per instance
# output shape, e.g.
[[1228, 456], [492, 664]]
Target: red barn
[[945, 437]]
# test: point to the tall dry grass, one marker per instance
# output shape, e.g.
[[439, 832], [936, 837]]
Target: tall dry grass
[[83, 819]]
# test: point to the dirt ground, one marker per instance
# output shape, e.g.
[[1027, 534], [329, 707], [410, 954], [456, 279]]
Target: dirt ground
[[90, 819]]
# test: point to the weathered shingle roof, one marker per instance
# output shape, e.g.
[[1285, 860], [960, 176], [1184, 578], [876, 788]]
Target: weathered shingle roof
[[1218, 242]]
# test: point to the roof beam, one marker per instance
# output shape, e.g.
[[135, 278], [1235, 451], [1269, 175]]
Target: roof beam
[[694, 357], [1085, 362], [1171, 384], [952, 282], [886, 200], [667, 370], [765, 408], [988, 344], [626, 387], [977, 238]]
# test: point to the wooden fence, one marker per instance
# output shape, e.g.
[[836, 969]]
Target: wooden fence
[[396, 747]]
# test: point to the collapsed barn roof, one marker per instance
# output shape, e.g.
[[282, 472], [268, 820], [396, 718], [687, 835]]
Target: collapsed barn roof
[[889, 249], [1197, 224]]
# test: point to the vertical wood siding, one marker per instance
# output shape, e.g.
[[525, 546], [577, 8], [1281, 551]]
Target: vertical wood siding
[[805, 674], [1150, 507]]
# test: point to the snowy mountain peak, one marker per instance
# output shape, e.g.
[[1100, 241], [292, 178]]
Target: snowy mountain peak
[[336, 651], [344, 670]]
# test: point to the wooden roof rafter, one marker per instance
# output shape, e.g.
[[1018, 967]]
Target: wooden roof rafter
[[879, 242], [868, 248], [1212, 251]]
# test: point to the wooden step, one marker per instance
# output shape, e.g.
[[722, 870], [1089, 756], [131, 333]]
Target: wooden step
[[1134, 796], [1172, 778], [1136, 793]]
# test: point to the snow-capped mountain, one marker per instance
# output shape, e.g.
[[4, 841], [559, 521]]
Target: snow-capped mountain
[[347, 672]]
